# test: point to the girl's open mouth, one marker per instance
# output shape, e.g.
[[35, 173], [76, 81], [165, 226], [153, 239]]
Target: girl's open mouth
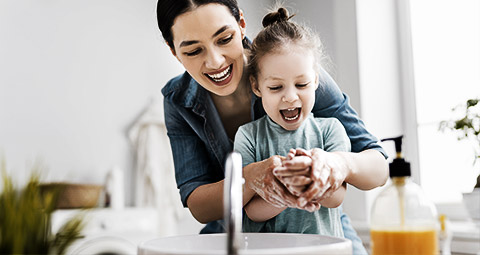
[[222, 77], [291, 114]]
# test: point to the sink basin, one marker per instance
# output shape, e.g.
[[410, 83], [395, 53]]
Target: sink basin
[[253, 243]]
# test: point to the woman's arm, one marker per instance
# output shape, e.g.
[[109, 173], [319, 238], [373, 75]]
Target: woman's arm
[[363, 166], [206, 201], [365, 170]]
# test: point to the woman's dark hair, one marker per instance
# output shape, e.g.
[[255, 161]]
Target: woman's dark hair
[[168, 10], [278, 31]]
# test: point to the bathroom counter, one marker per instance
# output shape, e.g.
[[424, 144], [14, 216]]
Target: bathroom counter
[[466, 237]]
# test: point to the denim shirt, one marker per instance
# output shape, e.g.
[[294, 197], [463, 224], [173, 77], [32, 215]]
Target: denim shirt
[[200, 143]]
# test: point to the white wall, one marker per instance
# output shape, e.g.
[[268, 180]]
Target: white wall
[[74, 76]]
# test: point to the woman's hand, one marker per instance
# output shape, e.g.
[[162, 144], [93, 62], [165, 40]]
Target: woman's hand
[[259, 177]]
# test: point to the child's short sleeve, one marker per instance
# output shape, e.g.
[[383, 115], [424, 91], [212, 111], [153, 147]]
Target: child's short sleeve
[[245, 144]]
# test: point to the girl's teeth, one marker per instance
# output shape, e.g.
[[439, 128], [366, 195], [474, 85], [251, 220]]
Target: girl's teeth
[[293, 118], [291, 113]]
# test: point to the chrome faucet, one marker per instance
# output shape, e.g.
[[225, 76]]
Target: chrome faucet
[[233, 201]]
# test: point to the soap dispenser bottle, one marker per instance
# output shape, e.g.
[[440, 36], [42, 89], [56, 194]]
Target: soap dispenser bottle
[[403, 220]]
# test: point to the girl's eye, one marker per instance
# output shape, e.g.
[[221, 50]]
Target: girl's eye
[[301, 85], [193, 52], [225, 40], [274, 87]]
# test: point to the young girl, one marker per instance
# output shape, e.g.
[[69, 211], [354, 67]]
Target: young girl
[[284, 69]]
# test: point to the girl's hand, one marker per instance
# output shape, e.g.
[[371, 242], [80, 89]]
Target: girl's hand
[[296, 177], [329, 171], [295, 171], [261, 180]]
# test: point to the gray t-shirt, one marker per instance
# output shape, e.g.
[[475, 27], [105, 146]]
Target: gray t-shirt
[[263, 138]]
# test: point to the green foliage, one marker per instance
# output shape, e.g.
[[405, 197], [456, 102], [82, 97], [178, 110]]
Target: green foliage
[[25, 219], [467, 126]]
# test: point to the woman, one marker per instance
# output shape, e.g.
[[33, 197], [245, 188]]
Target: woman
[[205, 106]]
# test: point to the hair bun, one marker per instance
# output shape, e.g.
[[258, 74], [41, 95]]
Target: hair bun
[[281, 15]]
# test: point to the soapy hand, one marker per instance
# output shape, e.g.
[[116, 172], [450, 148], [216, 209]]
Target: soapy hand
[[312, 176], [295, 175], [266, 185], [295, 171], [329, 171]]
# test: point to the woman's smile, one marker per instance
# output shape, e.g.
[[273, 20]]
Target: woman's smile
[[222, 76]]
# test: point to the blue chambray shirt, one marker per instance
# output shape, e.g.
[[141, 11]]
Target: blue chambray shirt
[[200, 143]]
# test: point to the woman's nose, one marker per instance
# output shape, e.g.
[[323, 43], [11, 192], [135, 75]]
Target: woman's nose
[[214, 60]]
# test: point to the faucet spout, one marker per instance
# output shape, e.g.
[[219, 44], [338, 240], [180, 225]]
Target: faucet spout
[[233, 201]]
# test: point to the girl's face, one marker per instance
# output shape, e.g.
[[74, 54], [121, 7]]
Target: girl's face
[[208, 43], [287, 82]]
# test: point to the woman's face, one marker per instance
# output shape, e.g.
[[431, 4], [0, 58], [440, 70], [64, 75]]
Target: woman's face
[[287, 82], [208, 43]]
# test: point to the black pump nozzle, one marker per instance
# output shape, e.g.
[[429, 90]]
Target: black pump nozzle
[[399, 167], [398, 144]]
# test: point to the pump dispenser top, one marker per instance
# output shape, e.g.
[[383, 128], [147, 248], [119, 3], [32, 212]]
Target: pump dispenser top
[[399, 167]]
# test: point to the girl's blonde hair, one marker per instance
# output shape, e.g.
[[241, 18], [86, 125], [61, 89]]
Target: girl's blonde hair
[[279, 32]]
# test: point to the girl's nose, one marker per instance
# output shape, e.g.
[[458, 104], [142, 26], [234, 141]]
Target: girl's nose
[[290, 95], [214, 60]]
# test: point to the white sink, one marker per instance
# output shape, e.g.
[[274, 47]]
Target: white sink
[[253, 243]]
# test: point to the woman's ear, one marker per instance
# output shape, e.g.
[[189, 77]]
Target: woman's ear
[[173, 52], [243, 24], [254, 84], [171, 49]]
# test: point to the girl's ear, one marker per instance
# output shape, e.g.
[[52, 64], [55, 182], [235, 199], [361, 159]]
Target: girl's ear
[[253, 83], [316, 81]]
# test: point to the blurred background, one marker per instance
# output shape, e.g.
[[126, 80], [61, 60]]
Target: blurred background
[[80, 91]]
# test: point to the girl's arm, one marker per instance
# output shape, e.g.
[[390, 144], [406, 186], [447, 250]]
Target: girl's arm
[[259, 210], [336, 199]]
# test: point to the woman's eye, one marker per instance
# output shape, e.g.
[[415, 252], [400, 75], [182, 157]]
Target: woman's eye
[[193, 52], [225, 40]]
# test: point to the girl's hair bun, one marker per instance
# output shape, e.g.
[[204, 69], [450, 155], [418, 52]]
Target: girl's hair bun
[[281, 15]]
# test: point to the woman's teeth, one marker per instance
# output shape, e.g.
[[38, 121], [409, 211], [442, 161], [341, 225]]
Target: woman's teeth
[[218, 77]]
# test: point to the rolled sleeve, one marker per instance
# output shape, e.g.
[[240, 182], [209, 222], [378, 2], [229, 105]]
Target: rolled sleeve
[[190, 157]]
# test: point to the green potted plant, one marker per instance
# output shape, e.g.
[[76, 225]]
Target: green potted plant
[[25, 219], [468, 127]]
